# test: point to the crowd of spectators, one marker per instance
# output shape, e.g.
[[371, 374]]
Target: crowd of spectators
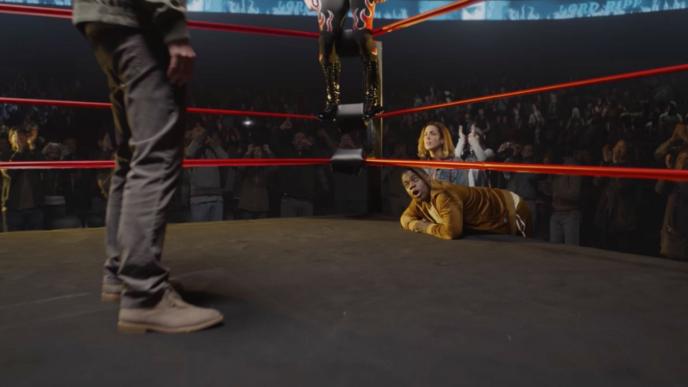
[[639, 123], [635, 124]]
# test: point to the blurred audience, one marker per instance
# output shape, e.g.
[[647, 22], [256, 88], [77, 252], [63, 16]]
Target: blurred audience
[[629, 124], [206, 200]]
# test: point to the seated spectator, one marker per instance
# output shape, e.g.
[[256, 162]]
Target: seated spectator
[[447, 211], [25, 196], [206, 183], [435, 143], [474, 151]]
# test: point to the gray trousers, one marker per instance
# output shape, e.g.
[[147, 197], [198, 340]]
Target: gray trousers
[[564, 227], [207, 208], [291, 208], [149, 119]]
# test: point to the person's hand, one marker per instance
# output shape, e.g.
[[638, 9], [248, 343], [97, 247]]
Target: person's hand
[[197, 132], [286, 124], [213, 141], [606, 154], [182, 58], [473, 137], [682, 160], [462, 135], [668, 161], [680, 133], [420, 226]]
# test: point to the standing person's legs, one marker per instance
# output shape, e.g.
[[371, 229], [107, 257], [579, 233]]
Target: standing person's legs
[[287, 208], [532, 206], [523, 212], [217, 209], [556, 229], [331, 15], [307, 208], [363, 13], [154, 109], [35, 219], [571, 225], [199, 208], [104, 39], [15, 220], [148, 114]]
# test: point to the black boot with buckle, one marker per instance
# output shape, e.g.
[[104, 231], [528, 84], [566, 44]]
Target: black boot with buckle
[[371, 84], [331, 72]]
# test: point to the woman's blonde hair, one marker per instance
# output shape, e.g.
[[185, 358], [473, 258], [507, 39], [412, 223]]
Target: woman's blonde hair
[[447, 148], [12, 137]]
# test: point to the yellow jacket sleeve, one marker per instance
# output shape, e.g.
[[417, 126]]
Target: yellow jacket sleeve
[[450, 213], [411, 216]]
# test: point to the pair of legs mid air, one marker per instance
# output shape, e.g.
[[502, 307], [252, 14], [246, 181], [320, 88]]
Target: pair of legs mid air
[[331, 14]]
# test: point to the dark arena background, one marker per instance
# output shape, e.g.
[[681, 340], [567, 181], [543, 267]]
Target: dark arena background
[[331, 291]]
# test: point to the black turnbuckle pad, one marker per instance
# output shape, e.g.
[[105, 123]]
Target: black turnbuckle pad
[[348, 161], [350, 112]]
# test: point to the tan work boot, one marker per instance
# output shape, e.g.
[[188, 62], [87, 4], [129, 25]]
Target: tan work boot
[[111, 291], [170, 315]]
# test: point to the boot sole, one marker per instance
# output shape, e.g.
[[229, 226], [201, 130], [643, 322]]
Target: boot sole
[[127, 327]]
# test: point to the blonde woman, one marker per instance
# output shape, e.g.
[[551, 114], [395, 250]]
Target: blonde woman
[[435, 143]]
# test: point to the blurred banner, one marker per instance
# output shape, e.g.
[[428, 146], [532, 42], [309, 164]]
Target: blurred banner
[[400, 9]]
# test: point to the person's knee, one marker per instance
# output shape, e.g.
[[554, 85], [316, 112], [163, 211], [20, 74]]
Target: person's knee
[[366, 44], [326, 47]]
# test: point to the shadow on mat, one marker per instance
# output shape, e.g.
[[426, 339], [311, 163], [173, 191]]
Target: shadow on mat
[[203, 297]]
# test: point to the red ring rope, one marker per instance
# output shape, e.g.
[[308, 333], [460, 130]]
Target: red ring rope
[[536, 90], [63, 13], [550, 169], [188, 163], [542, 89], [637, 173], [576, 170], [195, 110], [413, 20]]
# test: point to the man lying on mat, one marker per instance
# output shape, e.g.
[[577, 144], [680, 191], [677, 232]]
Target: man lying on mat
[[447, 210]]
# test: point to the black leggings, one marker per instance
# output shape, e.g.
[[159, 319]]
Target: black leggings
[[331, 14]]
